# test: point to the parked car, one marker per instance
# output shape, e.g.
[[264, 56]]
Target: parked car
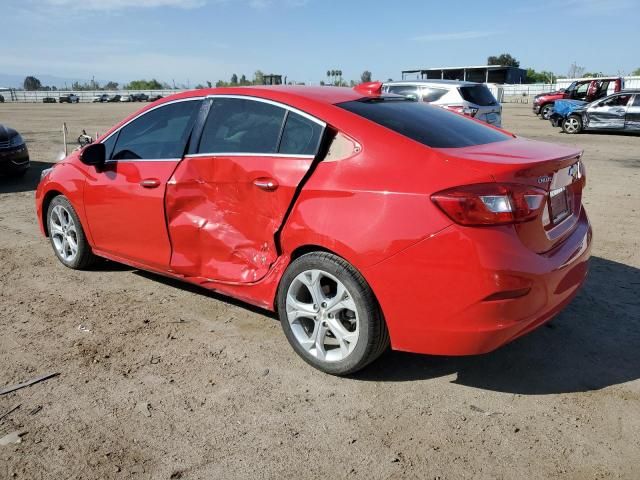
[[139, 97], [363, 219], [125, 98], [101, 98], [48, 100], [468, 98], [617, 112], [587, 90], [113, 98], [14, 155], [69, 98], [154, 97]]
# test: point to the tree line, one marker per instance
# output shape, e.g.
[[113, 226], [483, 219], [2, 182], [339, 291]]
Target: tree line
[[333, 77]]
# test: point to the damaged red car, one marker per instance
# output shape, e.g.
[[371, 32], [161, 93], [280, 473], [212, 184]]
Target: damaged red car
[[365, 220]]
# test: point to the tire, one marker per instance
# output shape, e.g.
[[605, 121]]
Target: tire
[[336, 336], [545, 111], [572, 124], [63, 225]]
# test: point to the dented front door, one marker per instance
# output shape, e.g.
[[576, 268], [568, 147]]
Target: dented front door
[[224, 208]]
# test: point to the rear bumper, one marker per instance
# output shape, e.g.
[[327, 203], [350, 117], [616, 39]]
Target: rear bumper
[[15, 160], [434, 295]]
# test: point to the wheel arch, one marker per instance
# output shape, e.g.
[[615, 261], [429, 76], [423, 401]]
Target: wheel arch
[[301, 250], [46, 201]]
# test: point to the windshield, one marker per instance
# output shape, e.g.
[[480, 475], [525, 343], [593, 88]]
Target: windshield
[[424, 123], [478, 94]]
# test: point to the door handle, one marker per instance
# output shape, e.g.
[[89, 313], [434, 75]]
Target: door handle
[[150, 183], [266, 184]]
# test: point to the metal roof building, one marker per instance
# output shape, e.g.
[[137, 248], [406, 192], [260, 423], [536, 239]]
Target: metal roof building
[[482, 74]]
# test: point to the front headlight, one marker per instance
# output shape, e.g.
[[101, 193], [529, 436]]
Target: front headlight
[[16, 141], [45, 172]]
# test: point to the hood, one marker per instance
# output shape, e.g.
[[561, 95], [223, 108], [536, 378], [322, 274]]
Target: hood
[[556, 92], [6, 133]]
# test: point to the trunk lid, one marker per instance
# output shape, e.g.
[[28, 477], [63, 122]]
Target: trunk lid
[[556, 169]]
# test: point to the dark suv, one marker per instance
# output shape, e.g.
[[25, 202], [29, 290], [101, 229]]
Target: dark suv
[[587, 90]]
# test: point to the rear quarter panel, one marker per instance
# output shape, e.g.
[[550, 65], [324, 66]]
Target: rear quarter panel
[[370, 205]]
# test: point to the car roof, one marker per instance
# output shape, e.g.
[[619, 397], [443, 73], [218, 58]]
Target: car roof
[[434, 82], [324, 95]]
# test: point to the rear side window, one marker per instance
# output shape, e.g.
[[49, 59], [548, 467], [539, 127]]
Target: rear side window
[[636, 102], [430, 94], [161, 133], [301, 136], [430, 125], [237, 125], [404, 90], [478, 94]]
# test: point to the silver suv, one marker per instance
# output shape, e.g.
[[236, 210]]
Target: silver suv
[[469, 98]]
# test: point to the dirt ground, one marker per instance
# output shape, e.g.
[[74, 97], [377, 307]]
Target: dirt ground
[[162, 380]]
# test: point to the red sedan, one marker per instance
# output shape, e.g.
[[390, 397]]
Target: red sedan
[[365, 220]]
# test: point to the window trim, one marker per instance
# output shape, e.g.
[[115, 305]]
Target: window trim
[[285, 107], [140, 115]]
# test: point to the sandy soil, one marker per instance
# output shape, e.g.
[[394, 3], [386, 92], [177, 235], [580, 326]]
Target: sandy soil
[[163, 380]]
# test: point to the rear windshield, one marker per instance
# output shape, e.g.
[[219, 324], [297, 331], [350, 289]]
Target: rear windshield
[[424, 123], [478, 94]]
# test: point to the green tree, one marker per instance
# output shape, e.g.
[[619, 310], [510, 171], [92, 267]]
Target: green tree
[[32, 83], [111, 86], [243, 80], [540, 77], [258, 78], [365, 76], [636, 72], [504, 59], [234, 79], [152, 84]]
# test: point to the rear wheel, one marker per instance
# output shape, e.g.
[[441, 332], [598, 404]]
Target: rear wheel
[[67, 236], [545, 111], [572, 124], [329, 314]]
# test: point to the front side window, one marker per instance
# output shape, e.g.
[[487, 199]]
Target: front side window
[[616, 101], [581, 91], [238, 125], [162, 133], [636, 102]]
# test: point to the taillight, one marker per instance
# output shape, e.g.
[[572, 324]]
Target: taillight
[[491, 203], [468, 111]]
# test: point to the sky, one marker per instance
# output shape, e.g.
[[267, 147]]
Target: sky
[[192, 41]]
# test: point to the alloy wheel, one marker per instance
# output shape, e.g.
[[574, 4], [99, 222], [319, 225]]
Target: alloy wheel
[[64, 234], [323, 315], [571, 125]]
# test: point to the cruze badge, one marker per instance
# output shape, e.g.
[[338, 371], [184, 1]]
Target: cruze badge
[[544, 179]]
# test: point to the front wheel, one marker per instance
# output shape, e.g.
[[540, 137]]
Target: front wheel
[[545, 112], [67, 236], [572, 124], [330, 315]]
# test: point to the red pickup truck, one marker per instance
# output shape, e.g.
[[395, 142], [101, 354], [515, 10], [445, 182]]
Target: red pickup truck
[[587, 90]]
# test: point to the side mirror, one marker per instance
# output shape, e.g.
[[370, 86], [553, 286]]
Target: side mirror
[[94, 154]]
